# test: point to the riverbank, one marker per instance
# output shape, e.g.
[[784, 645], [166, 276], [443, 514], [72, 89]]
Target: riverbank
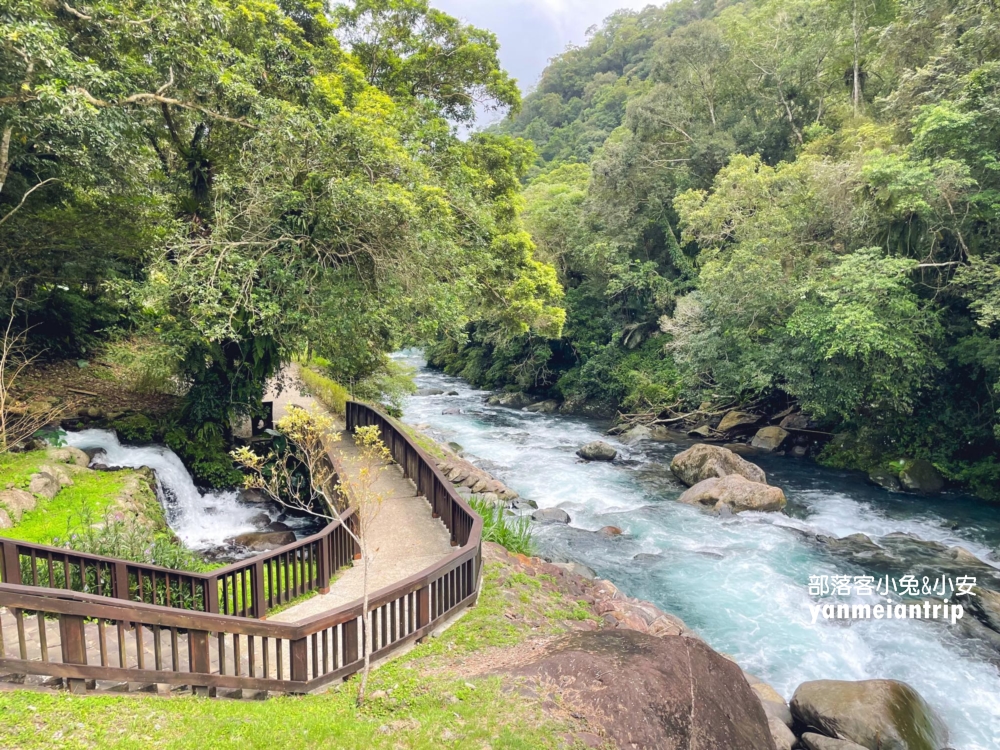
[[741, 583]]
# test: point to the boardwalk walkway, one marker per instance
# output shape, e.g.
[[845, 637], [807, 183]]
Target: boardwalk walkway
[[407, 539]]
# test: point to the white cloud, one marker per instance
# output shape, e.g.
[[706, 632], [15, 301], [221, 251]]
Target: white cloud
[[570, 18]]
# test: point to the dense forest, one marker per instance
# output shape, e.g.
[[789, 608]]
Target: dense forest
[[206, 189], [767, 203]]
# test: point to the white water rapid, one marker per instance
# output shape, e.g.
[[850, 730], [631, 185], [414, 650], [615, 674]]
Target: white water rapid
[[740, 582]]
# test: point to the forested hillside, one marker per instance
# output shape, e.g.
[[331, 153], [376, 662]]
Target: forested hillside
[[767, 203], [207, 188]]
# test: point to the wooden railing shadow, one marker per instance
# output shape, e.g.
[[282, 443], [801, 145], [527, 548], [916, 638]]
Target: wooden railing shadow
[[125, 621]]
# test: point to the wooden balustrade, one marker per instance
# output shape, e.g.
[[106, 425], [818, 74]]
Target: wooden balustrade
[[123, 621], [248, 588]]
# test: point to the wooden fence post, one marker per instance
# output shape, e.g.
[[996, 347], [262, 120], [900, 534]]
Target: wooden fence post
[[259, 597], [323, 564], [11, 562], [74, 648], [300, 662], [350, 641], [212, 595], [200, 658], [423, 606]]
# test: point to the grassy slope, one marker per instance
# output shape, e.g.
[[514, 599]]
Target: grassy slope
[[92, 493], [414, 703]]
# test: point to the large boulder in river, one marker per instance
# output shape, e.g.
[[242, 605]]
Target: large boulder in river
[[550, 515], [882, 477], [921, 476], [736, 492], [636, 434], [769, 438], [670, 692], [515, 400], [700, 462], [597, 450], [876, 714]]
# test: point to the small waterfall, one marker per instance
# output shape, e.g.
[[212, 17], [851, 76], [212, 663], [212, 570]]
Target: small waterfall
[[201, 521]]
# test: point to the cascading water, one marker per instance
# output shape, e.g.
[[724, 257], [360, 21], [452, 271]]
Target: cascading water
[[740, 582], [201, 521]]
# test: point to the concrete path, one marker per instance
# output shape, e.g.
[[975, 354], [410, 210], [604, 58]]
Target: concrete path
[[404, 536]]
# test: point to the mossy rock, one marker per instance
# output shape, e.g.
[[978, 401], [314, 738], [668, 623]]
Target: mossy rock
[[920, 475]]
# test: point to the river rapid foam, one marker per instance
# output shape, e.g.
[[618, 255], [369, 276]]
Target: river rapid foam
[[740, 582]]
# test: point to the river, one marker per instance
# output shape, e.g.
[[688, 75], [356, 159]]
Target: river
[[742, 582]]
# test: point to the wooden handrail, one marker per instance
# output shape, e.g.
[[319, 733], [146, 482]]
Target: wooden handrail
[[224, 644]]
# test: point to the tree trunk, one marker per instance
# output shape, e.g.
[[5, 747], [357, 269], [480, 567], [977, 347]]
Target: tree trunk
[[367, 618], [857, 60]]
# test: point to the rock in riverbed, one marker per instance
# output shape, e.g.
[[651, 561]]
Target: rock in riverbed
[[735, 492], [262, 541], [884, 714], [597, 450], [701, 462], [549, 406], [738, 421], [670, 692], [550, 515], [921, 476], [770, 438]]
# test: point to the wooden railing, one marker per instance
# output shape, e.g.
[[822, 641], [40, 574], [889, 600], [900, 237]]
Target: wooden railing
[[446, 504], [121, 621], [248, 588]]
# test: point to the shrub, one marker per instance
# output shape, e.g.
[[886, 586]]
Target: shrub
[[510, 532], [332, 395], [136, 428]]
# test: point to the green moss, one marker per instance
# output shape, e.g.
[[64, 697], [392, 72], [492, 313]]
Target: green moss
[[17, 468], [91, 495]]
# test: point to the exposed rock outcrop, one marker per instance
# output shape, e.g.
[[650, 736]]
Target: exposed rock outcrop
[[736, 492], [669, 692], [883, 714], [45, 484], [17, 502], [69, 455], [701, 462]]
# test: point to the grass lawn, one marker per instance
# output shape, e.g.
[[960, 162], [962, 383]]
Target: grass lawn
[[414, 701], [91, 494]]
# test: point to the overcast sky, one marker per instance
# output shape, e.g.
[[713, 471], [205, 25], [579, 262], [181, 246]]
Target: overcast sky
[[533, 31]]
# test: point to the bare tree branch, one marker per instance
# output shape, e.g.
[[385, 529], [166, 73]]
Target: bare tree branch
[[25, 197]]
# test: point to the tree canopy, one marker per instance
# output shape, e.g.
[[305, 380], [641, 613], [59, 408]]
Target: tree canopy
[[238, 181], [769, 202]]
